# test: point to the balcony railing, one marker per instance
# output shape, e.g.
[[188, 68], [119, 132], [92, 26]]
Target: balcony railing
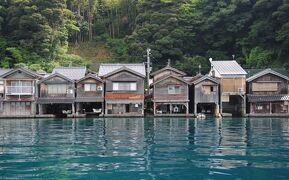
[[19, 90]]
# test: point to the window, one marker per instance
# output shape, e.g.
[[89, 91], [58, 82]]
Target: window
[[89, 87], [124, 86], [172, 89], [265, 86], [57, 89], [21, 83]]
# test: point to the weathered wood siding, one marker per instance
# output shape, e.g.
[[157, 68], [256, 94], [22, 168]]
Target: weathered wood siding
[[232, 85], [43, 87], [161, 90], [202, 97], [80, 88], [270, 79], [165, 73], [125, 77]]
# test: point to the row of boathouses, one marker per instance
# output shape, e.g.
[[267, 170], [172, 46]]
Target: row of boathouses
[[120, 90]]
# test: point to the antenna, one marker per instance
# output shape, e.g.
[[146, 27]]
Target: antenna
[[233, 56]]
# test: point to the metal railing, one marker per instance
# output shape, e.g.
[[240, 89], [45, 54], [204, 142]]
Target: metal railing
[[19, 90]]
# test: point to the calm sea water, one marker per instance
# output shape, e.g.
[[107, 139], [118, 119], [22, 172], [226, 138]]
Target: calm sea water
[[144, 148]]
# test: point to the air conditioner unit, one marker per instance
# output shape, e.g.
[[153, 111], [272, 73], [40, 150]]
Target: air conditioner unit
[[99, 88]]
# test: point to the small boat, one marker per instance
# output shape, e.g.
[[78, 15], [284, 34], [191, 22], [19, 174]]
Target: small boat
[[201, 116]]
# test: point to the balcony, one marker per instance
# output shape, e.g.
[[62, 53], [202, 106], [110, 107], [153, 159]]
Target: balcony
[[20, 90]]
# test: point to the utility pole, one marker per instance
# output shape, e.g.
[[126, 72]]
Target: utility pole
[[148, 65]]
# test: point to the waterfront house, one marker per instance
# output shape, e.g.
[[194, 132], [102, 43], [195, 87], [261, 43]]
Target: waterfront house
[[232, 78], [170, 92], [89, 95], [56, 95], [267, 93], [124, 89], [2, 89], [19, 97], [204, 95], [57, 91]]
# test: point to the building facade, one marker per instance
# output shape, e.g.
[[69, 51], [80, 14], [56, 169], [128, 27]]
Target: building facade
[[56, 95], [205, 95], [89, 95], [124, 89], [232, 78], [267, 93], [170, 92], [19, 91]]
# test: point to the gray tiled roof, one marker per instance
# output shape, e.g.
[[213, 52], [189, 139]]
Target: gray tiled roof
[[267, 98], [73, 73], [228, 68], [253, 72], [105, 69], [3, 71], [267, 71]]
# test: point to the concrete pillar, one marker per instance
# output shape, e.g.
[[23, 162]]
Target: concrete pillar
[[171, 108], [40, 109], [217, 110], [187, 108], [73, 108], [270, 108], [195, 108], [154, 107], [244, 105], [33, 108]]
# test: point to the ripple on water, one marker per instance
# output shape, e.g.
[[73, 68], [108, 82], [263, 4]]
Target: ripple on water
[[144, 148]]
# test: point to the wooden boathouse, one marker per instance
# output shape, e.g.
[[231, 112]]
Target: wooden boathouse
[[267, 93], [124, 89], [170, 92], [19, 92], [204, 95], [232, 78]]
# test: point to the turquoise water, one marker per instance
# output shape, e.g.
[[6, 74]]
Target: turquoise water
[[144, 148]]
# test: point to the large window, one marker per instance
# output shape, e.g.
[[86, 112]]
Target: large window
[[173, 89], [124, 86], [89, 87], [265, 86], [21, 83], [57, 89]]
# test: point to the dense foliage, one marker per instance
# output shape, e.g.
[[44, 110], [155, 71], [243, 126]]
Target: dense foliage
[[36, 33]]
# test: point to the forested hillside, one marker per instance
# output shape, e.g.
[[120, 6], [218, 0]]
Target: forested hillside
[[41, 34]]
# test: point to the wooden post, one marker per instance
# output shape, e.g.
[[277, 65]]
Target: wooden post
[[171, 108], [154, 108], [270, 108], [187, 108]]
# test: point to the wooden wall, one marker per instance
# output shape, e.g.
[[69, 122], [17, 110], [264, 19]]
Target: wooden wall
[[161, 90], [232, 84], [282, 85], [80, 88], [125, 77], [202, 97]]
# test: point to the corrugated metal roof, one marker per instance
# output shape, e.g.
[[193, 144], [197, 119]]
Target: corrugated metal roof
[[228, 68], [105, 69], [74, 73], [267, 98]]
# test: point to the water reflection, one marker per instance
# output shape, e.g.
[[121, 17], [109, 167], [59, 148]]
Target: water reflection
[[148, 148]]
